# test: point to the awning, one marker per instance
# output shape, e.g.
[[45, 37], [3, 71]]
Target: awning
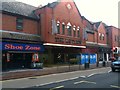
[[63, 45]]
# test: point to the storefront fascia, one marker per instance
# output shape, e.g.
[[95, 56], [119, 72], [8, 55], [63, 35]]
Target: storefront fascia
[[21, 49], [63, 45]]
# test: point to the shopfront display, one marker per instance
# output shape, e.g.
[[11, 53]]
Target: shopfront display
[[20, 55]]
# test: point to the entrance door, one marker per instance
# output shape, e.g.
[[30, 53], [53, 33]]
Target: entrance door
[[19, 60]]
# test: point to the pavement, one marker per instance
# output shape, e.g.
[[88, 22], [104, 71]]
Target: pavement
[[15, 74]]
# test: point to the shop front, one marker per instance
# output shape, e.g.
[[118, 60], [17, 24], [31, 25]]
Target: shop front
[[62, 54], [20, 55]]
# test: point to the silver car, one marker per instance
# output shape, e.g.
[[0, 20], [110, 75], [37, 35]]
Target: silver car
[[115, 65]]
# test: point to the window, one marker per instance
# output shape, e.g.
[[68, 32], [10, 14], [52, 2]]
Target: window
[[74, 31], [58, 27], [69, 29], [116, 38], [63, 28], [19, 23], [100, 36], [103, 36], [78, 31]]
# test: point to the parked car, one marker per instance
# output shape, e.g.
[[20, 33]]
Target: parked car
[[112, 59], [115, 65]]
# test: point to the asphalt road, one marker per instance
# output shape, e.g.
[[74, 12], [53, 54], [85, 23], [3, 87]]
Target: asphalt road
[[94, 78], [103, 80]]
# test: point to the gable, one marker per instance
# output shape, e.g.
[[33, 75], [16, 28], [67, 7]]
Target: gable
[[66, 10], [101, 28]]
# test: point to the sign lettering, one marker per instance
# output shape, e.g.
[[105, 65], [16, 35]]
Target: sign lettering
[[22, 47]]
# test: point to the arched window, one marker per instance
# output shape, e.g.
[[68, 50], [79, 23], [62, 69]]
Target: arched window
[[58, 27], [69, 29], [74, 31], [78, 31], [103, 36], [63, 28]]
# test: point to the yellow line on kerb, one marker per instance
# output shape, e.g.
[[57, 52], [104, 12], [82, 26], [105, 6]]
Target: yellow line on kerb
[[56, 87], [115, 86]]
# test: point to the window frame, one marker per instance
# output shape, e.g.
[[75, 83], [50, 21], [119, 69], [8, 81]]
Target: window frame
[[19, 23], [63, 28]]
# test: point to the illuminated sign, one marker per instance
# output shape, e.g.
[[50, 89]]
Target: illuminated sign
[[22, 47]]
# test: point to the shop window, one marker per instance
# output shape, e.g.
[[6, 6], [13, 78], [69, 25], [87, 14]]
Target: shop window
[[63, 28], [19, 23]]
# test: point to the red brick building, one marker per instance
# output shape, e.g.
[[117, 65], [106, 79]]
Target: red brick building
[[96, 40], [114, 40], [104, 49], [91, 49], [61, 30], [20, 35]]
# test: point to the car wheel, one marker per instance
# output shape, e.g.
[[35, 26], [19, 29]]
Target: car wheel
[[113, 69]]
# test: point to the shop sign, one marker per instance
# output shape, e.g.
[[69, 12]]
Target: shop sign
[[67, 41], [22, 47]]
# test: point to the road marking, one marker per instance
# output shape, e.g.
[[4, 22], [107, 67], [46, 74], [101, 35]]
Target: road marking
[[109, 71], [91, 75], [115, 86], [45, 84], [84, 82], [57, 87], [66, 79]]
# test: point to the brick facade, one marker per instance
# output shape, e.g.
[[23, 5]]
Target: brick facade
[[9, 24], [59, 13]]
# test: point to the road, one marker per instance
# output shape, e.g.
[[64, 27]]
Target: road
[[104, 80], [94, 78]]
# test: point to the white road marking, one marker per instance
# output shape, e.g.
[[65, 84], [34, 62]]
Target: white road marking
[[57, 81], [57, 87], [78, 82], [109, 71], [44, 84], [84, 82], [115, 86], [91, 74], [66, 79]]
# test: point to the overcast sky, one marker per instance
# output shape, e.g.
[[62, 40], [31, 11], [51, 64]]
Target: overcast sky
[[93, 10]]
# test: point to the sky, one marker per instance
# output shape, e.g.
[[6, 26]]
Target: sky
[[94, 10]]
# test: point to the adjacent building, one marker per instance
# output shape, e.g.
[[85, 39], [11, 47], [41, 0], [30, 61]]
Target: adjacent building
[[21, 42], [114, 40]]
